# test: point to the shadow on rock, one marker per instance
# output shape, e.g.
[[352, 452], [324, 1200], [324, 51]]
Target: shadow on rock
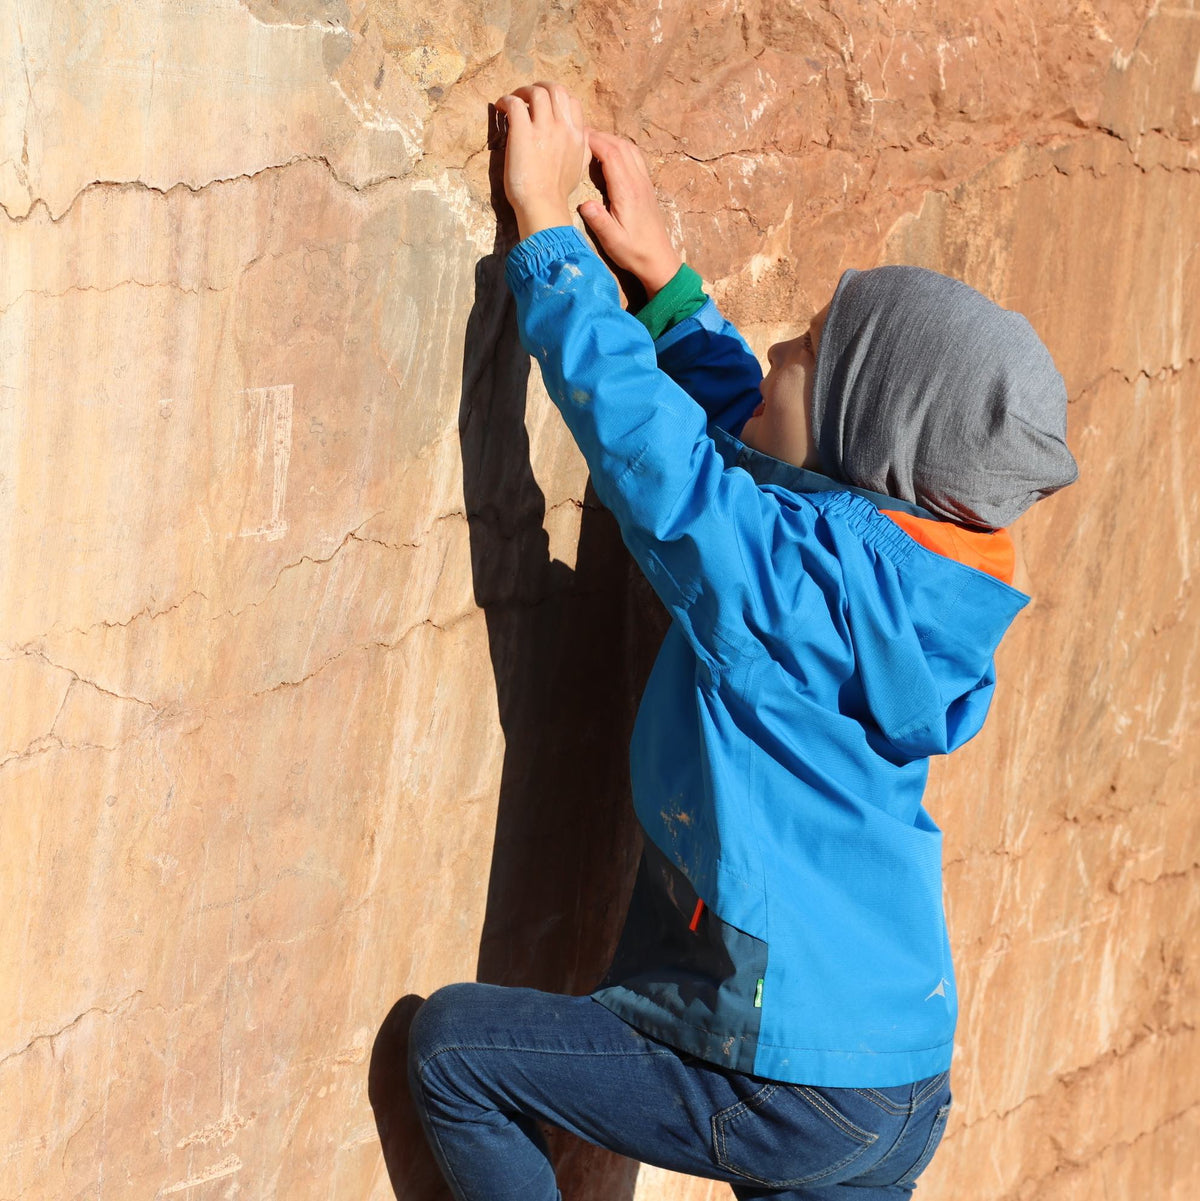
[[570, 647], [411, 1168]]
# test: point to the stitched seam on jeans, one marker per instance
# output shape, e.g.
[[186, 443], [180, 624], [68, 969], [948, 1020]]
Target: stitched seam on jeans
[[895, 1107], [533, 1051], [442, 1153], [454, 1179], [847, 1126], [719, 1131], [885, 1103], [931, 1145], [751, 1102], [930, 1088], [724, 1160], [720, 1120]]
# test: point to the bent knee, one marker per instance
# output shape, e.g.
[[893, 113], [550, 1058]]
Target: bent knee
[[440, 1023]]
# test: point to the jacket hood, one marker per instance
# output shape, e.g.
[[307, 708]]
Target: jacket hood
[[924, 641]]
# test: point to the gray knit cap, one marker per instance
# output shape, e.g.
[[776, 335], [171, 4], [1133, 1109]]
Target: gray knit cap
[[929, 392]]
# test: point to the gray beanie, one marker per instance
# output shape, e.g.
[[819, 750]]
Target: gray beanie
[[929, 392]]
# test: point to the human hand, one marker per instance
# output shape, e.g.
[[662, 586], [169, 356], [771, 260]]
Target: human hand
[[631, 230], [546, 156]]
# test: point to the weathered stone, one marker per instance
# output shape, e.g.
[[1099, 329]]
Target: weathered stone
[[321, 656]]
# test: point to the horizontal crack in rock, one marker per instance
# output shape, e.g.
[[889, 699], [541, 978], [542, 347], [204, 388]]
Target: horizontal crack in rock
[[1071, 1077], [51, 1035], [145, 611], [141, 185], [166, 283]]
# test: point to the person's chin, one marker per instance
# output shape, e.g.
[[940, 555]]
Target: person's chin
[[749, 433]]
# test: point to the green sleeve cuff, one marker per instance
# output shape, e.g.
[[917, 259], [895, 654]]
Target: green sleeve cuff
[[679, 298]]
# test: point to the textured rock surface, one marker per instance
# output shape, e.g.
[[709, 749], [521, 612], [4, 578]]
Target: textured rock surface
[[321, 658]]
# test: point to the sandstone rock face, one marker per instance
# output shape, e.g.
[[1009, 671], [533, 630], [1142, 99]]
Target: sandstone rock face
[[320, 657]]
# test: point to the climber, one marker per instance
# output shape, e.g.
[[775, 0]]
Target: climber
[[831, 543]]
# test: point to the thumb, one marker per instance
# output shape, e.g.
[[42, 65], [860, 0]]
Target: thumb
[[602, 223]]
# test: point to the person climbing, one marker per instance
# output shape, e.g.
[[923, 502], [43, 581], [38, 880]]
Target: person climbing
[[831, 543]]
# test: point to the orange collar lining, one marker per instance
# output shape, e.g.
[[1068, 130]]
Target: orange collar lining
[[991, 552]]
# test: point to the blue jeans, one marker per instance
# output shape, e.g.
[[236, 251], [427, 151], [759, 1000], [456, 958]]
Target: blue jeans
[[486, 1063]]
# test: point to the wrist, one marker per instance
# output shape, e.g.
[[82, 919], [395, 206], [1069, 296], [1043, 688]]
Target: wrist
[[657, 276], [532, 221]]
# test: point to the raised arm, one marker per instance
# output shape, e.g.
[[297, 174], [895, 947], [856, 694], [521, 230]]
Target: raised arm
[[695, 345], [707, 357], [692, 525]]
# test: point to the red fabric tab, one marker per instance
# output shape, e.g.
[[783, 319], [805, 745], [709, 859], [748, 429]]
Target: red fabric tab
[[696, 916]]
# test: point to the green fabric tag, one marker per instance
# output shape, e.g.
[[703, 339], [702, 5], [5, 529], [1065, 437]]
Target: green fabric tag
[[680, 297], [758, 994]]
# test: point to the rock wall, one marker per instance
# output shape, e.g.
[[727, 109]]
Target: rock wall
[[321, 657]]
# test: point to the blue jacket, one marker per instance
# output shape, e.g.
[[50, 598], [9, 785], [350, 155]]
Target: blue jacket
[[787, 919]]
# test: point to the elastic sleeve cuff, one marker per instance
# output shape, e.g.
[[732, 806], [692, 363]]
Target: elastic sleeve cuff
[[682, 296], [547, 245]]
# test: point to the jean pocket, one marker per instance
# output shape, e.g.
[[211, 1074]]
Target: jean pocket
[[931, 1145], [786, 1135]]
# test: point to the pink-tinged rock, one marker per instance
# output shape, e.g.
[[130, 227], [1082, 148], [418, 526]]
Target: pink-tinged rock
[[320, 656]]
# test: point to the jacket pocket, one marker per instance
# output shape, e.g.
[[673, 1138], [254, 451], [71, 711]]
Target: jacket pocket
[[787, 1135]]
